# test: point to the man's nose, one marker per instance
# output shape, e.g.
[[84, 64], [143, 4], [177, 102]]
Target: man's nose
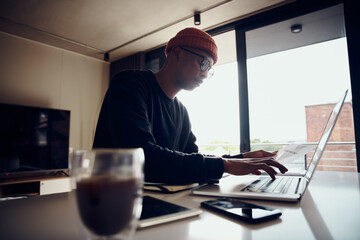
[[204, 74]]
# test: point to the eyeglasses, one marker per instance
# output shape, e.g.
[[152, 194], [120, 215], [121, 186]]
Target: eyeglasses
[[204, 64]]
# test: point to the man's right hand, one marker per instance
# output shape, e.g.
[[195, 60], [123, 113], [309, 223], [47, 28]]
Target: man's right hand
[[253, 166]]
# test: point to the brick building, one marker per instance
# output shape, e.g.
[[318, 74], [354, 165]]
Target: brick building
[[339, 155]]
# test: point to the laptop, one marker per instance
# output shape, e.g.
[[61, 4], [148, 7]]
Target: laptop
[[283, 188]]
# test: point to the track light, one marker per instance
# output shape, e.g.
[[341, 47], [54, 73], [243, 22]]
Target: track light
[[197, 20]]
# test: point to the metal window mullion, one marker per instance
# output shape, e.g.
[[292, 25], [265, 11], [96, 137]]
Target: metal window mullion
[[243, 91]]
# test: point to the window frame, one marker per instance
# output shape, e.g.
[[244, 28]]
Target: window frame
[[281, 14]]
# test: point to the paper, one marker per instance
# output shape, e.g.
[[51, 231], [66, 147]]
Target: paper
[[293, 152]]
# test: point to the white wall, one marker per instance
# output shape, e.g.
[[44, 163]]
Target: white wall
[[36, 74]]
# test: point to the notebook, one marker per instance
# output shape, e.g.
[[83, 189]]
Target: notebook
[[283, 188], [168, 188]]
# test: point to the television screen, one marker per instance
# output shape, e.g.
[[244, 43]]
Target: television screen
[[33, 140]]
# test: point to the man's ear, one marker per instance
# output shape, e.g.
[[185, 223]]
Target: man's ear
[[176, 53]]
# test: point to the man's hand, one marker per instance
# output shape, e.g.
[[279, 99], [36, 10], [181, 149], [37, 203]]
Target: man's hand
[[259, 154], [253, 165]]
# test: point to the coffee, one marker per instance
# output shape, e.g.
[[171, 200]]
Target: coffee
[[106, 203]]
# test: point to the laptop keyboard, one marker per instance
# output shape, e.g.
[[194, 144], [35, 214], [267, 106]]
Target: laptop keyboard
[[279, 185]]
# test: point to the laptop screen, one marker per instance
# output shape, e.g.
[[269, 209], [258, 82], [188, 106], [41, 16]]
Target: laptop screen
[[325, 137]]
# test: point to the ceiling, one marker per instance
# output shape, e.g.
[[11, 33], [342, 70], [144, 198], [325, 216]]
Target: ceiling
[[119, 27], [319, 26]]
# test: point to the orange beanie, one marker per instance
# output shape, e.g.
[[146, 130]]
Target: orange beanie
[[193, 37]]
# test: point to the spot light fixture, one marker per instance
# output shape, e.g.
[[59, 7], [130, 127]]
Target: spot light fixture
[[296, 28], [197, 20]]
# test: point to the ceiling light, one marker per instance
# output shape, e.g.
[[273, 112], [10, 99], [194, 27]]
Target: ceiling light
[[296, 28], [197, 20]]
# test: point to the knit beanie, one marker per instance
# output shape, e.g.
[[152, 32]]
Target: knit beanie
[[195, 38]]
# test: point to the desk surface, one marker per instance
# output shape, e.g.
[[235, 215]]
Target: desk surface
[[330, 209]]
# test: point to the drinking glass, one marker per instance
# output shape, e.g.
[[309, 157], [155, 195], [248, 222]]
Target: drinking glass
[[108, 190]]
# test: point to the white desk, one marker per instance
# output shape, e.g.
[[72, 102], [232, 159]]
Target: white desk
[[330, 209]]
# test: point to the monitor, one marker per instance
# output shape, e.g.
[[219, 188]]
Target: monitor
[[33, 141]]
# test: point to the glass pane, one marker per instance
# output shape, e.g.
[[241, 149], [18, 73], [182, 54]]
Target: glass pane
[[214, 106], [291, 94]]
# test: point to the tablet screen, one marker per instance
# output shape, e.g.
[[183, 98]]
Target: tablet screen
[[156, 211]]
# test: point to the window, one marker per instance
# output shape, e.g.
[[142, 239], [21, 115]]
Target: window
[[290, 90], [213, 107]]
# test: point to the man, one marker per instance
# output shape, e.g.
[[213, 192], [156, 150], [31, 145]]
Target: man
[[140, 109]]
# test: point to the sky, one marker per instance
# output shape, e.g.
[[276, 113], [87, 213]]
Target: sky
[[280, 85]]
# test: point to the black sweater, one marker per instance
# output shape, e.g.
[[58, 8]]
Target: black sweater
[[137, 113]]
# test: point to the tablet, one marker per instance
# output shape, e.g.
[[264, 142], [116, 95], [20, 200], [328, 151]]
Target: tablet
[[156, 211]]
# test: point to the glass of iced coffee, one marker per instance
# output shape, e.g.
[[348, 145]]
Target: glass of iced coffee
[[108, 185]]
